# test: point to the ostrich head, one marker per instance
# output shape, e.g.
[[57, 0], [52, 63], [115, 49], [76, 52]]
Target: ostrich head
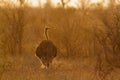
[[47, 28]]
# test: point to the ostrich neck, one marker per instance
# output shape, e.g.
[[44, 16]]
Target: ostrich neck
[[46, 34]]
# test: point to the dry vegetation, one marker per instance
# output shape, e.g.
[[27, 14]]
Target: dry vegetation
[[88, 42]]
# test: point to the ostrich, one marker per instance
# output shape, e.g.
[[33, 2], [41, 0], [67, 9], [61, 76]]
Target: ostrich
[[46, 51]]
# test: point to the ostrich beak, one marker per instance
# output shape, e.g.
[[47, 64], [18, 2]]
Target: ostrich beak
[[52, 27]]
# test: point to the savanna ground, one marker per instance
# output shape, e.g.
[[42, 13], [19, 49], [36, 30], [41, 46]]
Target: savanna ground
[[28, 67], [87, 39]]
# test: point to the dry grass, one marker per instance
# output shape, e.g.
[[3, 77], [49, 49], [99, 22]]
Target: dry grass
[[27, 67]]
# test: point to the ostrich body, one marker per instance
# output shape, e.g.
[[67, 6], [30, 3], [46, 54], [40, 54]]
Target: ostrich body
[[46, 51]]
